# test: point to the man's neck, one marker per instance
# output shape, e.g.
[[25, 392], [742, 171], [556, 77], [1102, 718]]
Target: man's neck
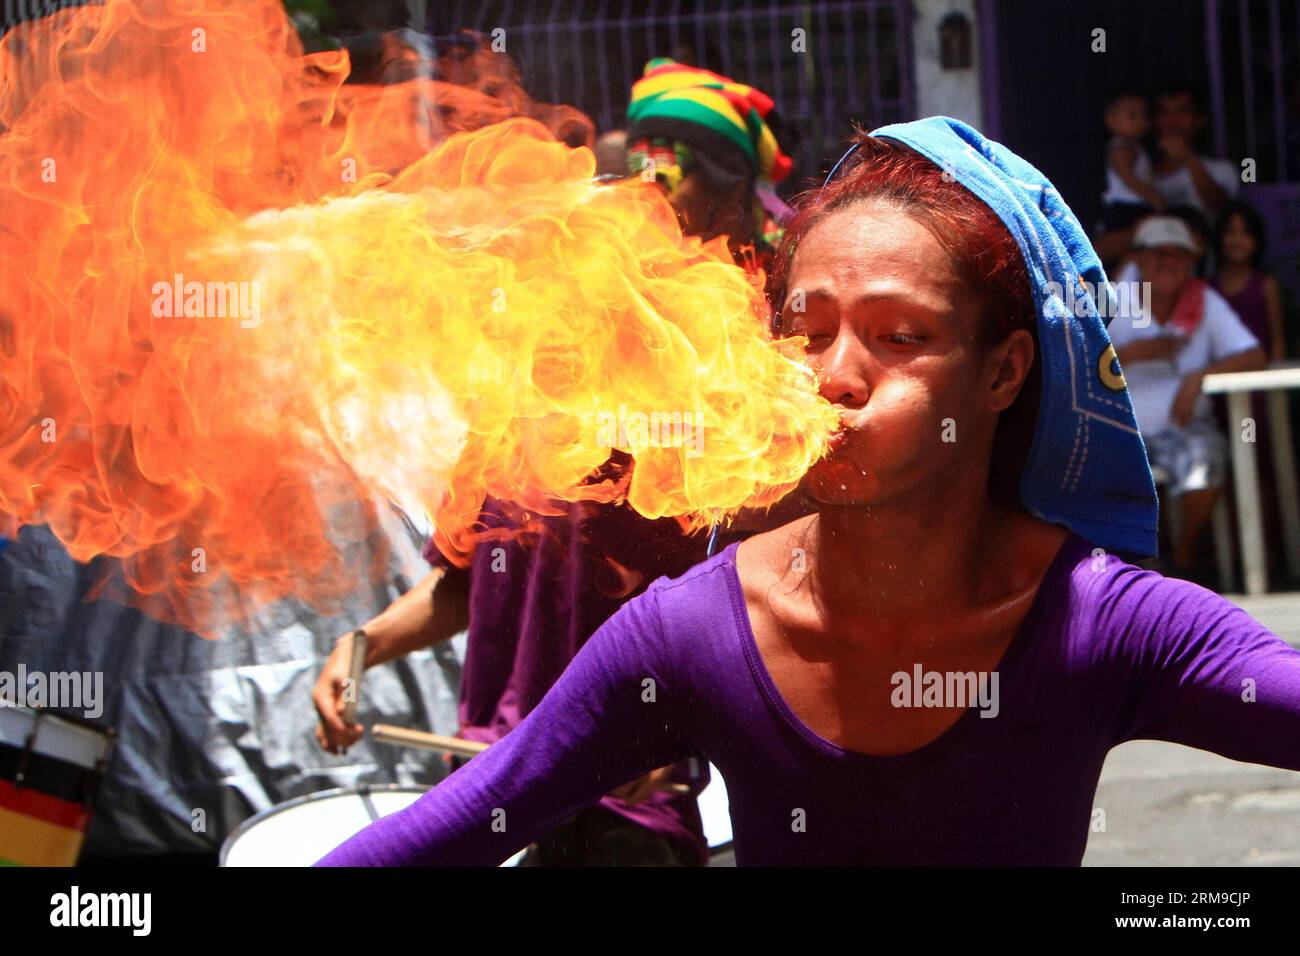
[[916, 563]]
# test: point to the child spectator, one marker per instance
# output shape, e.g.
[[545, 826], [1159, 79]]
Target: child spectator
[[1254, 294], [1242, 280], [1129, 194]]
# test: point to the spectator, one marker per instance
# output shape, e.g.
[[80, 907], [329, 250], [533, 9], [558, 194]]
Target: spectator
[[1129, 193], [1240, 277], [1256, 297], [1126, 271], [1183, 177], [1183, 332]]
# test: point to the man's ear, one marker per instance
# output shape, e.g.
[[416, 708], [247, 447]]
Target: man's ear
[[1012, 358]]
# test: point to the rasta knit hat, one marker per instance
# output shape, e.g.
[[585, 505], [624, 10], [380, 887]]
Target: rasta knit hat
[[725, 125]]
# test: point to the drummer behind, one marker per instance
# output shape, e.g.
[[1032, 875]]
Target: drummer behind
[[530, 603], [533, 600]]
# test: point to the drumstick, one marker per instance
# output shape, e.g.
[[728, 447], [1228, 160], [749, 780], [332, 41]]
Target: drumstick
[[388, 734], [355, 669]]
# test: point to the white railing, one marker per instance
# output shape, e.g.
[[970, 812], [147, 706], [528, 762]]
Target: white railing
[[1238, 386]]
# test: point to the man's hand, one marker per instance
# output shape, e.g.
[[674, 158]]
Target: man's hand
[[1176, 147], [1180, 413], [434, 610], [641, 788], [331, 733]]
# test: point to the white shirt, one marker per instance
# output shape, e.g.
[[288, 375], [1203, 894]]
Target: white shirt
[[1116, 189], [1177, 188], [1153, 384]]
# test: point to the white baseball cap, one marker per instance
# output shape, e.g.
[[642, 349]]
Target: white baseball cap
[[1165, 231]]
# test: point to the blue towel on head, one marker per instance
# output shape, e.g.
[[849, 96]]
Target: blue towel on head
[[1087, 468]]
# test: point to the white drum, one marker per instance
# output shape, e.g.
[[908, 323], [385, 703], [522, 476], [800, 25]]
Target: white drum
[[299, 832]]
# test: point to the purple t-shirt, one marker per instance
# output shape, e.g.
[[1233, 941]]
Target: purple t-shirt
[[1108, 653], [1251, 306], [535, 601]]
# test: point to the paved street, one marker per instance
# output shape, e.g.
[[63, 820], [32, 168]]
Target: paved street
[[1168, 805]]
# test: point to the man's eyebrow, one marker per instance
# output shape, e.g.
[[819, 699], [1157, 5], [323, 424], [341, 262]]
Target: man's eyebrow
[[875, 295], [816, 292], [904, 296], [926, 302]]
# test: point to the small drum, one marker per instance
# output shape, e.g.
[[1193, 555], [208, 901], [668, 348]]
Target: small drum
[[50, 769], [299, 832]]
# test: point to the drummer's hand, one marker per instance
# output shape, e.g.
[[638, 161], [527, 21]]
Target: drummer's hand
[[641, 788], [331, 733]]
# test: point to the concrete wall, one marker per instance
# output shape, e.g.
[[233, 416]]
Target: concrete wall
[[943, 92]]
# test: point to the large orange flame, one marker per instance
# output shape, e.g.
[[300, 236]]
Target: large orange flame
[[225, 274]]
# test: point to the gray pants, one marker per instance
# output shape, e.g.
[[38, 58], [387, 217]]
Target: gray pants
[[1195, 456]]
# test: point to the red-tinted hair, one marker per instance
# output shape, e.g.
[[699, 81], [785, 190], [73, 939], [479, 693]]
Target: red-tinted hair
[[984, 253]]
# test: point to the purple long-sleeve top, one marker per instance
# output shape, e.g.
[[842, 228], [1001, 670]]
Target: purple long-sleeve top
[[533, 604], [1107, 653]]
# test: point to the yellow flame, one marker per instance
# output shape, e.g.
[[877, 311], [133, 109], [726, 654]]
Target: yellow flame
[[204, 313]]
